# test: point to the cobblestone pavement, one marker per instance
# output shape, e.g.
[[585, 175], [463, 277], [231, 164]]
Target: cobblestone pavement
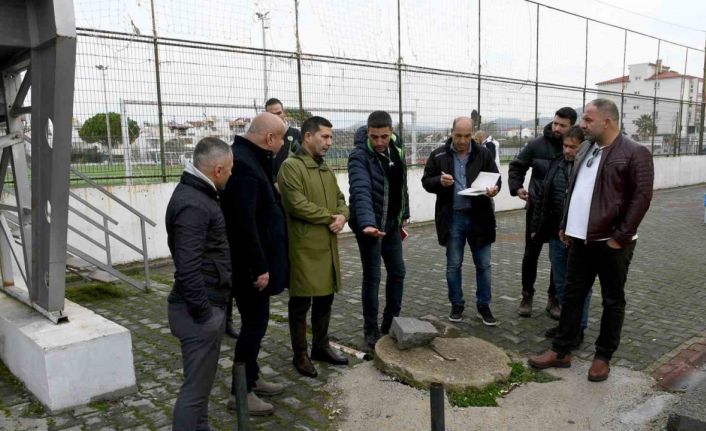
[[666, 293]]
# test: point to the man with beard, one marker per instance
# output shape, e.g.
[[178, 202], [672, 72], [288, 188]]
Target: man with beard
[[316, 212], [609, 193], [537, 155]]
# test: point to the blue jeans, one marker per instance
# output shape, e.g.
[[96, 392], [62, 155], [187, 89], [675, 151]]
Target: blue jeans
[[558, 256], [459, 235], [389, 248]]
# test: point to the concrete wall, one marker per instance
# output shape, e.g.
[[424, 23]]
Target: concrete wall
[[152, 201]]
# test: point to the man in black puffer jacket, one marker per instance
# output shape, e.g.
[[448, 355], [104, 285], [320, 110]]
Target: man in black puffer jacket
[[379, 207], [537, 155], [196, 235]]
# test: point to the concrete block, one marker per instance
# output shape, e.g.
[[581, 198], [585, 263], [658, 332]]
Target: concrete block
[[410, 332], [86, 359]]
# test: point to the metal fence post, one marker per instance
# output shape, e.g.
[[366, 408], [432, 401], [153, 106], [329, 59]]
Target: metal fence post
[[241, 395], [399, 68], [622, 85], [162, 154], [680, 112], [585, 66], [703, 107], [536, 81], [654, 102], [299, 57], [479, 57], [436, 395]]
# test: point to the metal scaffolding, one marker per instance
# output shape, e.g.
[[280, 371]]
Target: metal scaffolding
[[37, 62]]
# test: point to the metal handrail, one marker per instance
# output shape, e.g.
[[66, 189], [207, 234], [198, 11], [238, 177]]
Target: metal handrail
[[113, 197], [92, 207]]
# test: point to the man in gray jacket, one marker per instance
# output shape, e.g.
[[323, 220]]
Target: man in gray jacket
[[196, 233]]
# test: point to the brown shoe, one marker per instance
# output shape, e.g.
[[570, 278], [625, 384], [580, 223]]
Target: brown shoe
[[550, 359], [304, 365], [600, 368], [525, 308], [553, 307]]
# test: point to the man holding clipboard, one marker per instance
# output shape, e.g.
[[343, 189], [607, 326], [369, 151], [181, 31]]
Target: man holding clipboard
[[464, 216]]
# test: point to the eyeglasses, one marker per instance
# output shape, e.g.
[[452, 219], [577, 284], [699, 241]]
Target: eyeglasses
[[590, 160]]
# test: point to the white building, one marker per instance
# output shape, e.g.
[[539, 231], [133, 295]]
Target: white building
[[642, 84]]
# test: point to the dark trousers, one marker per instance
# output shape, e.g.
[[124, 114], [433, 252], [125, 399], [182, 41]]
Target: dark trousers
[[389, 248], [229, 307], [320, 318], [200, 348], [254, 308], [586, 261], [529, 260]]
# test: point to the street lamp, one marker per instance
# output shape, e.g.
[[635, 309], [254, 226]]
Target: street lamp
[[264, 17], [103, 69]]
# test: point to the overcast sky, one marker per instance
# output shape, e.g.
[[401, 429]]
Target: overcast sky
[[437, 34]]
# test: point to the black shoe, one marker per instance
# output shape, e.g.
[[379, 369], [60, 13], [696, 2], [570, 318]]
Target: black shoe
[[456, 313], [230, 330], [372, 337], [486, 316], [327, 354], [303, 364], [551, 332], [385, 326]]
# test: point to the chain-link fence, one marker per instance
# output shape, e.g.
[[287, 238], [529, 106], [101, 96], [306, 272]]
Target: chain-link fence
[[168, 73]]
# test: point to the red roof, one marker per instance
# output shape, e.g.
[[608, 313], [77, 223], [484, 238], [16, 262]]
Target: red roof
[[620, 80], [670, 75]]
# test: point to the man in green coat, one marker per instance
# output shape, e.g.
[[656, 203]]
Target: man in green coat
[[316, 212]]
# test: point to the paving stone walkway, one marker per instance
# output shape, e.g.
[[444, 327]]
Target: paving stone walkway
[[666, 295]]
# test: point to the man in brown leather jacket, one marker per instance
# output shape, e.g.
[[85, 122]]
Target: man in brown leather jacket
[[609, 193]]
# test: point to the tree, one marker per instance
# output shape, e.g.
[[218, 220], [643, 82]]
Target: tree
[[93, 130], [297, 115], [646, 126]]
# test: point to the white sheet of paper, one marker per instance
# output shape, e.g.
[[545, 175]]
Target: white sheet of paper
[[484, 181]]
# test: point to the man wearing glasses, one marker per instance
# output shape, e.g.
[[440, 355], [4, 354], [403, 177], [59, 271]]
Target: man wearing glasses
[[609, 193]]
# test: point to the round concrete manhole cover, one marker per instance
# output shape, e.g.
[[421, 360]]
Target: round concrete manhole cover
[[457, 363]]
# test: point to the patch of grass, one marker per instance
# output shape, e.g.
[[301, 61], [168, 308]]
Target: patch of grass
[[279, 319], [33, 410], [162, 279], [9, 379], [487, 396], [100, 405], [94, 292]]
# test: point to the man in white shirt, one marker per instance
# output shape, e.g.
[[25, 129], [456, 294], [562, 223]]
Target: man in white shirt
[[609, 193]]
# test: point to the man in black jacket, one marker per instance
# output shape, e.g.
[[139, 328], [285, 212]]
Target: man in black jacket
[[377, 177], [258, 241], [537, 155], [196, 234], [609, 194], [547, 218], [292, 139], [463, 219]]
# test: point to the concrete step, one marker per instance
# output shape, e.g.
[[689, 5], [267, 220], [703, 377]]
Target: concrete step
[[77, 263], [102, 276]]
